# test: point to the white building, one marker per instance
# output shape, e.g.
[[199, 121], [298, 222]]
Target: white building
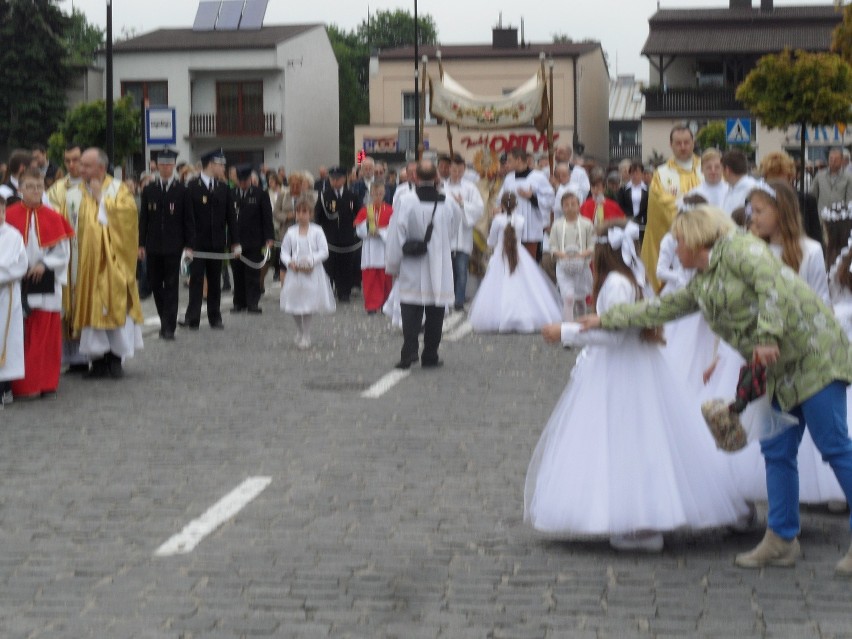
[[268, 95]]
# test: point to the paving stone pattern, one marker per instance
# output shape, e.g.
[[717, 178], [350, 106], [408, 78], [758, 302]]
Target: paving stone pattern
[[398, 517]]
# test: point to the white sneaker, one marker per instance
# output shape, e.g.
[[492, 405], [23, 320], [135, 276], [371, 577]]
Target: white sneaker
[[298, 339], [306, 341], [642, 542]]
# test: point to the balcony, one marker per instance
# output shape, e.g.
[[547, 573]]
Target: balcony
[[692, 103], [233, 125], [622, 151]]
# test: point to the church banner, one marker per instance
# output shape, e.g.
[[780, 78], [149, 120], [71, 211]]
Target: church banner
[[458, 106]]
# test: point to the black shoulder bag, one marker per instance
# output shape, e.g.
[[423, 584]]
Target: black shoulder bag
[[416, 248]]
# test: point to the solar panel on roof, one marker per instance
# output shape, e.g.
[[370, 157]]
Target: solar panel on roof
[[229, 15], [253, 14], [205, 17]]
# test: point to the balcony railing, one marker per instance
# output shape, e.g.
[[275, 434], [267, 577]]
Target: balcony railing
[[209, 125], [676, 102], [622, 151]]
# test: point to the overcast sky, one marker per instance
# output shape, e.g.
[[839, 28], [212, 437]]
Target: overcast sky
[[621, 26]]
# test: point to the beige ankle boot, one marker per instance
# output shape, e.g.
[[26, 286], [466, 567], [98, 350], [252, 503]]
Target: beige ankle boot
[[844, 566], [773, 551]]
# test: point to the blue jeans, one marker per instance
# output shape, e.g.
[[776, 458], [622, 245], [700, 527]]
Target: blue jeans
[[825, 416], [460, 264]]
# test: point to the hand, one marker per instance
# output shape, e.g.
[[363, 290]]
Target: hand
[[552, 333], [766, 355], [459, 199], [237, 250], [560, 255], [708, 373], [525, 193], [36, 272], [269, 244], [141, 253], [188, 253], [589, 322], [95, 189]]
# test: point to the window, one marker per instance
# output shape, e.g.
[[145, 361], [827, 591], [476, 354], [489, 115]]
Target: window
[[239, 108], [147, 93], [710, 73], [408, 109]]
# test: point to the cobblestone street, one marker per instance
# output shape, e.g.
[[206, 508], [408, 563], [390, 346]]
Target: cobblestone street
[[399, 516]]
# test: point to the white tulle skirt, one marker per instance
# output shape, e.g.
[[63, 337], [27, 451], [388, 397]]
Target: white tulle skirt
[[626, 450], [689, 350], [307, 293], [519, 302]]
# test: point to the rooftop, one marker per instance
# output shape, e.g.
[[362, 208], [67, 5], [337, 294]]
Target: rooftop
[[740, 31], [469, 51], [626, 100], [189, 40]]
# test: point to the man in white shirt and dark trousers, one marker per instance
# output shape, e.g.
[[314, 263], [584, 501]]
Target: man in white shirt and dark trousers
[[424, 277], [468, 198]]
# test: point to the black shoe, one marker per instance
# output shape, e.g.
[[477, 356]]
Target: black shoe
[[167, 335], [431, 363], [343, 299], [114, 366], [238, 309], [226, 288], [77, 368], [255, 311], [458, 308], [193, 326], [405, 364], [218, 326], [99, 369]]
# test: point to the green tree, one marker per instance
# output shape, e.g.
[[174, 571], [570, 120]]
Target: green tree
[[391, 29], [33, 71], [714, 135], [841, 38], [86, 125], [353, 61], [386, 29], [797, 87], [82, 39]]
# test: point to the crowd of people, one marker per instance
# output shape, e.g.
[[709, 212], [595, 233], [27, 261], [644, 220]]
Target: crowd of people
[[700, 255]]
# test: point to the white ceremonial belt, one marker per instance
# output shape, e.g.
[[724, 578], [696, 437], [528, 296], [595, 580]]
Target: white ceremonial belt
[[344, 249], [204, 255]]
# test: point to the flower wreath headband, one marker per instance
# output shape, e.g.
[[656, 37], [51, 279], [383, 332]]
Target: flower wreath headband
[[616, 237], [760, 185]]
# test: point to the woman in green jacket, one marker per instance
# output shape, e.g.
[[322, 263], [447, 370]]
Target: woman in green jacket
[[770, 315]]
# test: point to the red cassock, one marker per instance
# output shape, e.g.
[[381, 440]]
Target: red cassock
[[42, 329], [375, 283], [611, 209]]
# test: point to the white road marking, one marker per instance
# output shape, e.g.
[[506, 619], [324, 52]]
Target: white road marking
[[385, 384], [463, 329], [220, 512]]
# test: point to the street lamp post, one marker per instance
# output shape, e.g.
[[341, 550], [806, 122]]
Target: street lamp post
[[110, 114], [416, 84]]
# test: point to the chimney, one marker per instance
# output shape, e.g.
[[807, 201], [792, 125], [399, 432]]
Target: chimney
[[522, 32], [741, 4], [504, 38], [766, 5]]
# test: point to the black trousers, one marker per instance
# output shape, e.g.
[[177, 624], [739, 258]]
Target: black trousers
[[198, 268], [340, 268], [412, 320], [164, 280], [247, 280]]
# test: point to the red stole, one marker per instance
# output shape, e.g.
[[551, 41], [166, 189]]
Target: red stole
[[51, 227]]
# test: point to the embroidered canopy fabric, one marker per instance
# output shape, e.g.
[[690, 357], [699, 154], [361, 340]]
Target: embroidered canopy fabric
[[455, 104]]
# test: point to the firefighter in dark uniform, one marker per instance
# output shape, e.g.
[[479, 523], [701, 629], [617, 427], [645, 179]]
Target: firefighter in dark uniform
[[253, 211], [335, 212], [213, 213], [166, 229]]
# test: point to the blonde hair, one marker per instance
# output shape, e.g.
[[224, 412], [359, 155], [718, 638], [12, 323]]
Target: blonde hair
[[711, 154], [777, 165], [702, 226]]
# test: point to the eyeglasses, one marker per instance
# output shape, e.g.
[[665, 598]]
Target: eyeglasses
[[32, 187]]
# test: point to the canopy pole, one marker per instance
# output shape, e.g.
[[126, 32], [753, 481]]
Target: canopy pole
[[549, 88], [421, 146], [441, 72]]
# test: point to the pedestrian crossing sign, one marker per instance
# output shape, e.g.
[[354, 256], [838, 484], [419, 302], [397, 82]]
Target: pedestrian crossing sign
[[738, 130]]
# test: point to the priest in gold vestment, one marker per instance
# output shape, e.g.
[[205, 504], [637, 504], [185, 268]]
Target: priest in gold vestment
[[671, 182], [65, 197], [108, 315]]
